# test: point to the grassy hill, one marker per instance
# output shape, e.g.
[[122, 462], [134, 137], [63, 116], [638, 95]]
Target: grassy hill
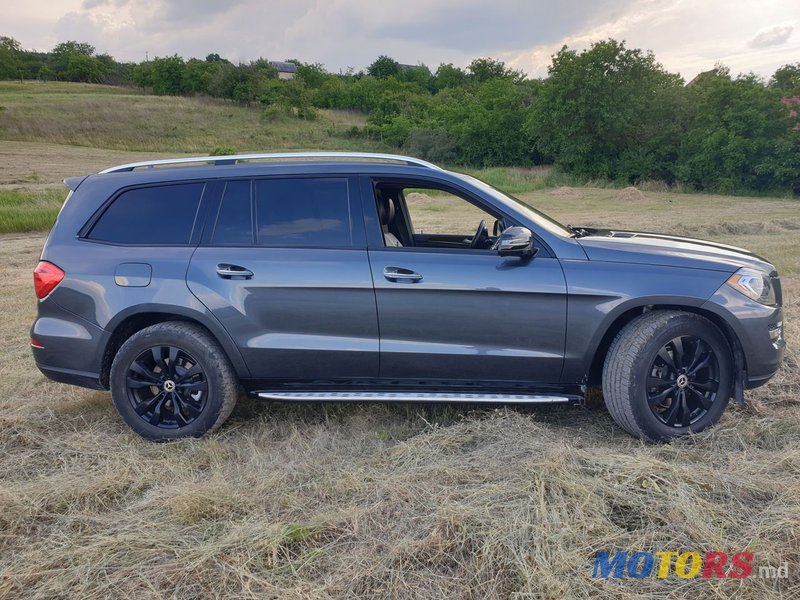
[[116, 118]]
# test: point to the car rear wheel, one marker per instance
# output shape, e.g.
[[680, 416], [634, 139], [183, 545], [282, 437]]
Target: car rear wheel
[[172, 380], [667, 373]]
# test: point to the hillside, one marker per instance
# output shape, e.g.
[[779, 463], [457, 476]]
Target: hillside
[[117, 118]]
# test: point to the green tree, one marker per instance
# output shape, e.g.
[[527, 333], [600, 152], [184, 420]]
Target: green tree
[[384, 67], [10, 63], [335, 92], [262, 68], [594, 113], [76, 61], [73, 47], [487, 122], [169, 76], [291, 97], [216, 58], [787, 80], [142, 75], [244, 83], [115, 73], [484, 69], [431, 144], [199, 74], [312, 74], [418, 74], [740, 137], [448, 76]]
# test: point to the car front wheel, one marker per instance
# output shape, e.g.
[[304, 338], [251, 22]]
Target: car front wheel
[[667, 373]]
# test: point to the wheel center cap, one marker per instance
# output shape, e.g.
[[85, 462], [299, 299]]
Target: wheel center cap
[[169, 385], [682, 381]]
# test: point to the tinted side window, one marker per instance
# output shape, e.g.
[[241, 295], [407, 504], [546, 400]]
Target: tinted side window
[[234, 224], [150, 215], [303, 212]]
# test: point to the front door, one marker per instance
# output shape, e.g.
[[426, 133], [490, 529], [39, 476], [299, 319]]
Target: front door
[[449, 308]]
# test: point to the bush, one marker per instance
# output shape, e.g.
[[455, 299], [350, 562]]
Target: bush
[[609, 112], [740, 137], [293, 98], [434, 145], [223, 151], [487, 123], [168, 76]]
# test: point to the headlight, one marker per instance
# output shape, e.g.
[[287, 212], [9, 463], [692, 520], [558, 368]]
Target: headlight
[[754, 284]]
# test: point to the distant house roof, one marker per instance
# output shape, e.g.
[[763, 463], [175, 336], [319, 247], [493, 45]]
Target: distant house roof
[[284, 67]]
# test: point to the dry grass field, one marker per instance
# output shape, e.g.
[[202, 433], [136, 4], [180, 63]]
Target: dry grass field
[[382, 501]]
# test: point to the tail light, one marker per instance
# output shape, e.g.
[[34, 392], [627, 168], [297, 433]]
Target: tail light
[[46, 276]]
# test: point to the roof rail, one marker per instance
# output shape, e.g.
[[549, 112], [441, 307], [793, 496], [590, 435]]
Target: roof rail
[[233, 159]]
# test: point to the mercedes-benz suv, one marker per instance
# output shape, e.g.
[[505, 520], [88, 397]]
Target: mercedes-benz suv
[[365, 277]]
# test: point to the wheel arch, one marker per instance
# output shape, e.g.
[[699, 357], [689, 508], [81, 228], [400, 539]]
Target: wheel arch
[[129, 322], [595, 373]]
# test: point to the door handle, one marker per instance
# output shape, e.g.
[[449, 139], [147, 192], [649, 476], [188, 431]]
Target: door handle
[[227, 271], [401, 274]]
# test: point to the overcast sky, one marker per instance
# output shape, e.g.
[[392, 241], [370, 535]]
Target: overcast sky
[[687, 36]]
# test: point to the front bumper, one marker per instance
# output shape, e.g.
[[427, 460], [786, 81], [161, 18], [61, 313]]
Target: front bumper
[[758, 328]]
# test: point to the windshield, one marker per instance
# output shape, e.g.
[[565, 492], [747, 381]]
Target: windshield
[[541, 219]]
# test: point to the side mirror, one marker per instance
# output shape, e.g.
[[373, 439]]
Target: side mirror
[[516, 241]]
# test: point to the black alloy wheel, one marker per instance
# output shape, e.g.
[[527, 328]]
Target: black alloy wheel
[[167, 387], [683, 381]]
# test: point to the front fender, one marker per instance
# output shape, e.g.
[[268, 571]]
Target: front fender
[[601, 293]]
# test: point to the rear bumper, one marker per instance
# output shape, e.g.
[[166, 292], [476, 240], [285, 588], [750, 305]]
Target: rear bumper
[[71, 347], [79, 378]]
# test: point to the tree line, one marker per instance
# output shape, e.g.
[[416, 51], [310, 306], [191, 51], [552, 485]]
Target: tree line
[[607, 112]]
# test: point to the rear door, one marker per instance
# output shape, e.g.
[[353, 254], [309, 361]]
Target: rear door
[[283, 265]]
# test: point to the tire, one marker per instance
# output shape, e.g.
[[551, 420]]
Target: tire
[[667, 374], [173, 380]]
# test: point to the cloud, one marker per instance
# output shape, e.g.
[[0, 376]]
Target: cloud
[[479, 27], [774, 36], [687, 36]]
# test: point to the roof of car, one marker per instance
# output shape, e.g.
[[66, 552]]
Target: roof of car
[[271, 158]]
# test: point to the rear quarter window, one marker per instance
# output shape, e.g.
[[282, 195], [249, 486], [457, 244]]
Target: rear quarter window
[[150, 215]]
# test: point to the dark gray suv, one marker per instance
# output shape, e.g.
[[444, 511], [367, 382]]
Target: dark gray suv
[[368, 277]]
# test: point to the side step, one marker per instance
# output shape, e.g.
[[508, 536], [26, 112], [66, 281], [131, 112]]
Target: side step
[[379, 396]]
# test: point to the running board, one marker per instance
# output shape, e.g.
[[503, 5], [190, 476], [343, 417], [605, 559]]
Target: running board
[[378, 396]]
